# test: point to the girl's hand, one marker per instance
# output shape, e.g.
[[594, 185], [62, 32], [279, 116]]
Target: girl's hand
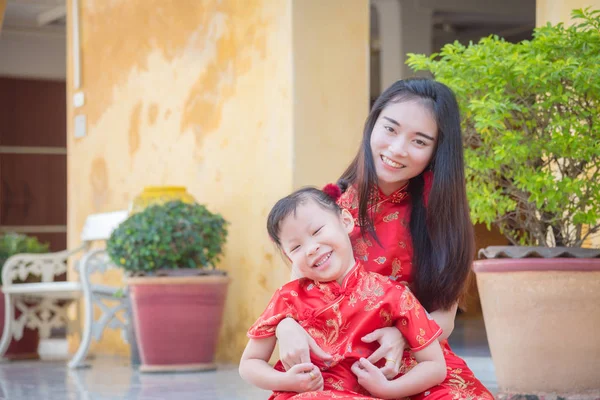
[[391, 347], [304, 378], [371, 378], [295, 345]]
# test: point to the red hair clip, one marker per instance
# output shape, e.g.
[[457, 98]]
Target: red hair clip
[[332, 190]]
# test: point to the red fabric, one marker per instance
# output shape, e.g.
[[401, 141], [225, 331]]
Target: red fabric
[[338, 316], [394, 260]]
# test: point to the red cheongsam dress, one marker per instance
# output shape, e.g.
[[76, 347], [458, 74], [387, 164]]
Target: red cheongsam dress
[[393, 259], [338, 316]]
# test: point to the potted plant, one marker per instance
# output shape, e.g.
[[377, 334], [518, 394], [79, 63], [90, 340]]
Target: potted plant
[[532, 148], [11, 244], [169, 252]]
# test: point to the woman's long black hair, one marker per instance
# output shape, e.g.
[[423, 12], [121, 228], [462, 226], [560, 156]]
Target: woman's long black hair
[[442, 233]]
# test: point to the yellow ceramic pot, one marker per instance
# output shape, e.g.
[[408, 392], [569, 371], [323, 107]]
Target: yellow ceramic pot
[[153, 195]]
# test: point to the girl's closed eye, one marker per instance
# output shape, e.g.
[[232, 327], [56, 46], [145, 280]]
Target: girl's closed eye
[[293, 249], [318, 230]]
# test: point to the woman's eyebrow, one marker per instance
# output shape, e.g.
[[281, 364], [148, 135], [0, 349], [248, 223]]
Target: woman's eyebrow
[[393, 121], [425, 136]]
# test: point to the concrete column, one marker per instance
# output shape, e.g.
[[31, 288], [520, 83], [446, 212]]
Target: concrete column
[[405, 27], [240, 101]]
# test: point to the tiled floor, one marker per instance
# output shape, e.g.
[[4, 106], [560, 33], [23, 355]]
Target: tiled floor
[[111, 378]]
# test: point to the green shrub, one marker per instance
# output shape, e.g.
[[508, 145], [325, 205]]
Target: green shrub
[[531, 129], [168, 236], [16, 243]]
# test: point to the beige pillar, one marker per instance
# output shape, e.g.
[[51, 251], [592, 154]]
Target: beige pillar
[[555, 11], [2, 11], [239, 101], [404, 27]]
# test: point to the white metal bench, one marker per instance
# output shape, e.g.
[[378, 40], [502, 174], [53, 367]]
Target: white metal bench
[[43, 305]]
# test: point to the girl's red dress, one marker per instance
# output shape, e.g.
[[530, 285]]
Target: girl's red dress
[[338, 316], [393, 259]]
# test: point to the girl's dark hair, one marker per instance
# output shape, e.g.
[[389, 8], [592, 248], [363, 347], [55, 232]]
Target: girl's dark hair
[[290, 203], [442, 233]]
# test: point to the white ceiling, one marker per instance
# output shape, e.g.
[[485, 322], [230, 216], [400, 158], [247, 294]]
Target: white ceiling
[[33, 42], [35, 17]]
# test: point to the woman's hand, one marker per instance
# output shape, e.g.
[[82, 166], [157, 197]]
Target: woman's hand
[[371, 378], [295, 345], [304, 378], [391, 347]]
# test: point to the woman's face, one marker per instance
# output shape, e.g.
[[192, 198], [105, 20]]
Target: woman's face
[[403, 142]]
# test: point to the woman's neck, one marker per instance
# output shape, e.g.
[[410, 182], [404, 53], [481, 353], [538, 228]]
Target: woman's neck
[[389, 188]]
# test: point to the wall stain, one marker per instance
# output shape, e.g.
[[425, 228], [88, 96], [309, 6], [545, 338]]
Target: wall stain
[[244, 38], [99, 184], [107, 59], [152, 113], [262, 281], [134, 128]]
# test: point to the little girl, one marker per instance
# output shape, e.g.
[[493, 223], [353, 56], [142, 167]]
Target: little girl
[[337, 303]]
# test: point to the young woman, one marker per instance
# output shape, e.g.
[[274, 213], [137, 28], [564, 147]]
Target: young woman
[[406, 191]]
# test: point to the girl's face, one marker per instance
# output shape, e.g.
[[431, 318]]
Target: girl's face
[[316, 241], [403, 142]]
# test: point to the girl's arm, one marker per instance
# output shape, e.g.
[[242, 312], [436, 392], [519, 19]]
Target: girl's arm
[[255, 369], [430, 371], [445, 319]]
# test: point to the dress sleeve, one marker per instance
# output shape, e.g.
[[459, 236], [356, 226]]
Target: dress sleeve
[[281, 306], [413, 321]]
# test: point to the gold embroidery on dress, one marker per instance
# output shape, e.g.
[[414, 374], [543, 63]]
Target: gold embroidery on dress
[[371, 290], [352, 300], [386, 317], [408, 302], [361, 248], [396, 268], [391, 217], [327, 336], [337, 385], [420, 339], [460, 389]]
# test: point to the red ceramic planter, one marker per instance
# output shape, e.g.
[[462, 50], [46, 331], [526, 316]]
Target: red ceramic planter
[[177, 320]]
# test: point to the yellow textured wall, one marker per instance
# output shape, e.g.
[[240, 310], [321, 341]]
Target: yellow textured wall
[[329, 107], [204, 94], [555, 11]]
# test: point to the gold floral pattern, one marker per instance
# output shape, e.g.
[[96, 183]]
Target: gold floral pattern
[[396, 268], [338, 316], [391, 217]]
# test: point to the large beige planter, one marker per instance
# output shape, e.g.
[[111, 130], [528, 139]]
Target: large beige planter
[[542, 318]]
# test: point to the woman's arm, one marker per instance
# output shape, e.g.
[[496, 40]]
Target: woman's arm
[[295, 344], [445, 319], [255, 369], [430, 371]]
